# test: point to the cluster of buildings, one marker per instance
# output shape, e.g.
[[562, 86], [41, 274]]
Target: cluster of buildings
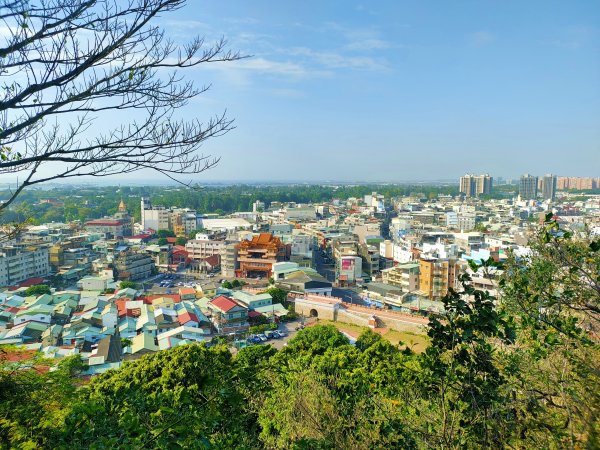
[[401, 253], [107, 329], [531, 185]]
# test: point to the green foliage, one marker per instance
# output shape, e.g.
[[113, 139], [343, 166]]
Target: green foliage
[[554, 295], [184, 397], [227, 284], [163, 241], [165, 233], [279, 295], [180, 241], [263, 327], [37, 290], [461, 368], [32, 400], [127, 285], [258, 320]]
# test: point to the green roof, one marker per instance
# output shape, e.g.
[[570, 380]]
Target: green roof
[[36, 309]]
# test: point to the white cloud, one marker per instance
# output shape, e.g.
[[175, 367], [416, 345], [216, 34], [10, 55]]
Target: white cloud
[[334, 60], [368, 44], [239, 72]]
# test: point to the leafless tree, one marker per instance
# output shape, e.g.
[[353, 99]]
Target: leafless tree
[[66, 64]]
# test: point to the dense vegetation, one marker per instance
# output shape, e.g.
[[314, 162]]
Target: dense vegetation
[[91, 203], [519, 373]]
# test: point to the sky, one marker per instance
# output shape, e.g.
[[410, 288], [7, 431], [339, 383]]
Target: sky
[[399, 90]]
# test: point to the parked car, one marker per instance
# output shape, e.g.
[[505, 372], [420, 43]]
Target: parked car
[[253, 340], [271, 334], [282, 333], [262, 337]]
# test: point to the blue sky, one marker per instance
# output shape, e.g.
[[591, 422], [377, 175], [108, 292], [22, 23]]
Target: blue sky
[[397, 90]]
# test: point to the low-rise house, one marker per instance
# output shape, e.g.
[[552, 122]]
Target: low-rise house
[[165, 319], [25, 333], [187, 293], [167, 339], [37, 313], [142, 344], [228, 315], [78, 333], [106, 354], [305, 281], [52, 336], [252, 301]]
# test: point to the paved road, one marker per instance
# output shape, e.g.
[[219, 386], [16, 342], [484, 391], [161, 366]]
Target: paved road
[[348, 295]]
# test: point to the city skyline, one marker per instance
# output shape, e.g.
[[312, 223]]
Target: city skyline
[[354, 92]]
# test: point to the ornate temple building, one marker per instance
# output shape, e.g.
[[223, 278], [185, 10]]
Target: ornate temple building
[[257, 256], [119, 225]]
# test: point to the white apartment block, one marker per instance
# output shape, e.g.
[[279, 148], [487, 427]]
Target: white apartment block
[[200, 249], [18, 263]]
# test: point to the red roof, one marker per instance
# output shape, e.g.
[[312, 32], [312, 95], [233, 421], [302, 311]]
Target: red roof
[[105, 223], [121, 307], [253, 314], [144, 236], [148, 298], [171, 240], [186, 317], [213, 260], [27, 283], [187, 291], [225, 304]]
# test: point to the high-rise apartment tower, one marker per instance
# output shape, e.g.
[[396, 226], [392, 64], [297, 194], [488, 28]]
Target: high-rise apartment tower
[[476, 185], [528, 187]]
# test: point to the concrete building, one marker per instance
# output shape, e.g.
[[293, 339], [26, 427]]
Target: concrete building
[[436, 276], [155, 218], [20, 262], [228, 315], [229, 259], [200, 249], [405, 276], [349, 269], [301, 213], [579, 183], [258, 206], [548, 186], [475, 185], [370, 259], [133, 266], [183, 222], [231, 224], [528, 186]]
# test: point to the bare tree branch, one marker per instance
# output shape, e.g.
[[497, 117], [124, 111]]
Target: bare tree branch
[[67, 63]]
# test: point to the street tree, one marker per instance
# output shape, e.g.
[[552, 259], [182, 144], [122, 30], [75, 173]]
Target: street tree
[[71, 68]]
